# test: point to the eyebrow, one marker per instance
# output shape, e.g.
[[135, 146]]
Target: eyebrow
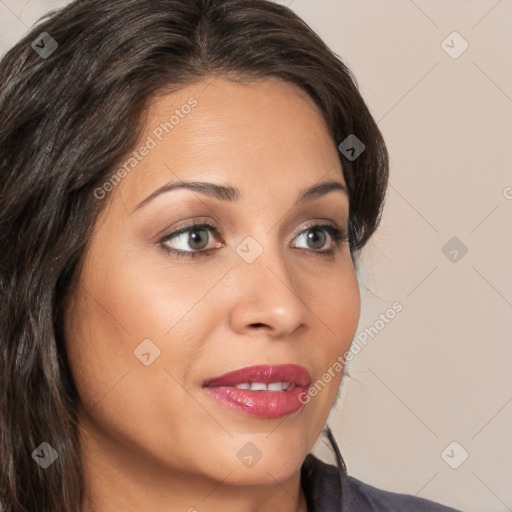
[[232, 194]]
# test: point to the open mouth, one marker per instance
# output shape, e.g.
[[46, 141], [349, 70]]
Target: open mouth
[[271, 386], [265, 391]]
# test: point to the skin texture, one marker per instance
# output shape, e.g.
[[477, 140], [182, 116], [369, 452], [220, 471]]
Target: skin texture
[[152, 439]]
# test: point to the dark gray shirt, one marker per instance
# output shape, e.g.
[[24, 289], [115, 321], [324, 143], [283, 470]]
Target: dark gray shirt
[[329, 490]]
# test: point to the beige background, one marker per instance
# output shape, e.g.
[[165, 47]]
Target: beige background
[[440, 371]]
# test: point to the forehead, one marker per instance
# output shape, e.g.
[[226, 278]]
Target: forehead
[[257, 136]]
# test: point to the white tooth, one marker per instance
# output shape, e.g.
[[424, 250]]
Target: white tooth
[[291, 386], [286, 385], [275, 386], [258, 386], [245, 385]]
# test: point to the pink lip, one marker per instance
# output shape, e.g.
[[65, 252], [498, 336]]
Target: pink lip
[[263, 404]]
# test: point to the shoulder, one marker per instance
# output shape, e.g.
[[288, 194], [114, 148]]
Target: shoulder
[[328, 490], [366, 497]]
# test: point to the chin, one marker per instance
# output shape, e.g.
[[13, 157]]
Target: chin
[[262, 458]]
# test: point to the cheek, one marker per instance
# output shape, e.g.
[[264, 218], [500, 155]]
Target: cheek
[[122, 396], [129, 307], [345, 311], [336, 301], [337, 305], [346, 297]]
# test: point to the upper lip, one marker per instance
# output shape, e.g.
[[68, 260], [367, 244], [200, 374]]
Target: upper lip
[[291, 373]]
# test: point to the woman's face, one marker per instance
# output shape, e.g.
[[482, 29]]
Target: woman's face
[[147, 328]]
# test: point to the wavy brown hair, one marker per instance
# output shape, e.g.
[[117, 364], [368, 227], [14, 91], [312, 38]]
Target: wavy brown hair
[[67, 119]]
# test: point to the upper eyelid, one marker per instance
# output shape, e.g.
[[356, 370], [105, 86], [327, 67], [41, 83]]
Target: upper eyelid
[[194, 225], [338, 216]]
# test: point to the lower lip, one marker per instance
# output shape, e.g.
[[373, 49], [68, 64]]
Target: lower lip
[[263, 404]]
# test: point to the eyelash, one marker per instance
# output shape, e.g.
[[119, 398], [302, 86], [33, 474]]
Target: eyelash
[[336, 234]]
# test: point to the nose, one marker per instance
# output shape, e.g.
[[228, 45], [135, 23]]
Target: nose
[[266, 297]]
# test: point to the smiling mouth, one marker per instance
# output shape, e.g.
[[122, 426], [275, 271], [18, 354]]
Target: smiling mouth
[[264, 391], [262, 386]]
